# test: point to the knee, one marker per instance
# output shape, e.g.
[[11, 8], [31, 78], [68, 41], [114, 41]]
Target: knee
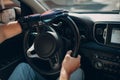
[[23, 66], [79, 71]]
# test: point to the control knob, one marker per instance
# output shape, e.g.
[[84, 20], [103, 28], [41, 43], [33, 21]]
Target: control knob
[[98, 65]]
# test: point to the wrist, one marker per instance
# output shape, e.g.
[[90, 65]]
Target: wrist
[[64, 75]]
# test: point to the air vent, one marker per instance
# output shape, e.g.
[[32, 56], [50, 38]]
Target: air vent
[[99, 34]]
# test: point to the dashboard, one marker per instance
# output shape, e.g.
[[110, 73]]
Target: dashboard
[[100, 45]]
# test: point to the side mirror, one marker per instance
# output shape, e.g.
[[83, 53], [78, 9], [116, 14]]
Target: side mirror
[[7, 15]]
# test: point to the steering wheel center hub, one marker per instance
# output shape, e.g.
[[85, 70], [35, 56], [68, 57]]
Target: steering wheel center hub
[[45, 45]]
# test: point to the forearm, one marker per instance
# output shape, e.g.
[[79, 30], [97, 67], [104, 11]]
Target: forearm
[[9, 30]]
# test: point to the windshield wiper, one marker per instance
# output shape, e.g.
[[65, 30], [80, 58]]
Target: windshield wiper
[[117, 11]]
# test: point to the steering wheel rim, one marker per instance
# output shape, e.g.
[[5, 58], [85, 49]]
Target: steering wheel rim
[[76, 33]]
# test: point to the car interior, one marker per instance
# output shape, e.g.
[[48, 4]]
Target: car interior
[[93, 35]]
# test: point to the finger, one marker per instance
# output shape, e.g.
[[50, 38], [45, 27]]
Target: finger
[[79, 56], [69, 52]]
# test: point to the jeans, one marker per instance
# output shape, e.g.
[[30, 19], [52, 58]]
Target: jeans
[[24, 72]]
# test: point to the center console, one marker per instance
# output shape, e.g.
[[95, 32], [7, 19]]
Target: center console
[[105, 62], [107, 57], [109, 63]]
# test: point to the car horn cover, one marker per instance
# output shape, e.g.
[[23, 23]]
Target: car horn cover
[[46, 44]]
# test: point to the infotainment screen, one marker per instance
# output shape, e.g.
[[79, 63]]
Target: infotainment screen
[[115, 36]]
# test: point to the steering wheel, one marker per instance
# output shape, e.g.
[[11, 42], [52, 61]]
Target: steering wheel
[[45, 47]]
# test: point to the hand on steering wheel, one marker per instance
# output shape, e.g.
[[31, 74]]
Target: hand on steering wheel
[[67, 67]]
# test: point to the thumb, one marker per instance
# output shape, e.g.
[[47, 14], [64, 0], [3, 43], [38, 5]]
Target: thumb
[[69, 52]]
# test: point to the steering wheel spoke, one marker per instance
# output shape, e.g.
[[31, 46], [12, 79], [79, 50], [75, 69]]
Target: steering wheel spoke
[[31, 52], [54, 62]]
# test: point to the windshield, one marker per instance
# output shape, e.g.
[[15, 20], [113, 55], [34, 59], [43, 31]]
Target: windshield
[[84, 5]]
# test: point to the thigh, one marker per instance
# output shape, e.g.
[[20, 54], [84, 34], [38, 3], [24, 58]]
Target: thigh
[[24, 72], [77, 75]]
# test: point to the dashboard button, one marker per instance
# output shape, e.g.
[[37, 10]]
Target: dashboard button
[[98, 65]]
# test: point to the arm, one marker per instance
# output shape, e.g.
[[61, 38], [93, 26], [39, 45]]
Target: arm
[[9, 30], [13, 28], [16, 27], [69, 65]]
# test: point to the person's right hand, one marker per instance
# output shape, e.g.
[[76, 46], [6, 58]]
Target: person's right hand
[[69, 65]]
